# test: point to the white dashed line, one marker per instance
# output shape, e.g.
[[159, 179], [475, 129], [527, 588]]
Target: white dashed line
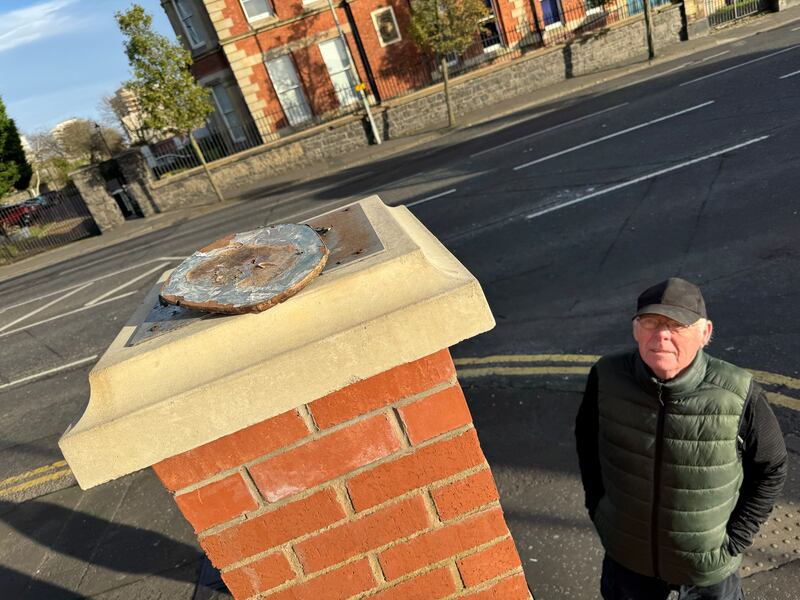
[[549, 129], [50, 371], [429, 198], [744, 64], [613, 135], [625, 184]]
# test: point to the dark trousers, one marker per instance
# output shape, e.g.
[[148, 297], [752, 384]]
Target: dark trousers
[[619, 583]]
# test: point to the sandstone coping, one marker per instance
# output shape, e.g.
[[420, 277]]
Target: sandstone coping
[[175, 392]]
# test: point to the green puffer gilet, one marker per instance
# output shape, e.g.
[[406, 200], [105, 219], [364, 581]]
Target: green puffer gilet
[[671, 471]]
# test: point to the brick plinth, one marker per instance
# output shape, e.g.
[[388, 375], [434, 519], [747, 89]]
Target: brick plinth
[[379, 490]]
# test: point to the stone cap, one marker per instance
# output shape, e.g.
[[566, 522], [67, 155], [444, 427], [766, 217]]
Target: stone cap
[[172, 393]]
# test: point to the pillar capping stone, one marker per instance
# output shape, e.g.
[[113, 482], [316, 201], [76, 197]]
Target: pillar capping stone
[[213, 377]]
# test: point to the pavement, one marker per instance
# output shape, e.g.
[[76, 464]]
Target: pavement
[[126, 539]]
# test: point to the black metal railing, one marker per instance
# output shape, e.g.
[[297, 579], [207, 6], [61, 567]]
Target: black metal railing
[[724, 11], [553, 24], [50, 220]]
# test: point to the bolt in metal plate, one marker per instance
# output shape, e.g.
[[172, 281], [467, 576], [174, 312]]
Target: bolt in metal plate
[[248, 272]]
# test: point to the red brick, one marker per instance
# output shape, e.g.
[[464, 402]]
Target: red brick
[[325, 458], [273, 528], [231, 451], [343, 582], [435, 414], [430, 586], [426, 465], [382, 389], [216, 502], [259, 576], [437, 545], [512, 588], [489, 563], [465, 495], [359, 536]]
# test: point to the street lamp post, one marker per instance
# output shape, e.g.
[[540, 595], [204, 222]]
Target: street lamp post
[[359, 86]]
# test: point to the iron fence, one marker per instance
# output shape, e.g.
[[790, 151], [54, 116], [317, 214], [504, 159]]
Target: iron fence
[[548, 23], [50, 220], [554, 24], [299, 111], [724, 11]]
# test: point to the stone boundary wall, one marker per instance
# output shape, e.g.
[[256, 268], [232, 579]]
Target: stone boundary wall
[[620, 44], [380, 489], [240, 172]]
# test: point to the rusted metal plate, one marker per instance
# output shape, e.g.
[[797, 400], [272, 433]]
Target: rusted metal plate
[[164, 318], [348, 234], [248, 272]]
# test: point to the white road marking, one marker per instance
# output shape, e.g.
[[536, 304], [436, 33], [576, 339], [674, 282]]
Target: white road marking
[[619, 186], [715, 55], [740, 65], [447, 193], [126, 284], [659, 74], [796, 29], [549, 129], [66, 314], [112, 274], [42, 297], [789, 75], [50, 371], [44, 306], [613, 135]]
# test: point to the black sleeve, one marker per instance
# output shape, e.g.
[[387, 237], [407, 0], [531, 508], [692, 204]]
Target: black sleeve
[[586, 432], [765, 463]]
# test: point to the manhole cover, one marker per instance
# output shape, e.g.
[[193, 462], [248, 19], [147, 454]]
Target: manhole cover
[[248, 272]]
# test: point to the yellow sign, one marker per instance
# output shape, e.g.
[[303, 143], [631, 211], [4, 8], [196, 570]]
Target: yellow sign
[[360, 87]]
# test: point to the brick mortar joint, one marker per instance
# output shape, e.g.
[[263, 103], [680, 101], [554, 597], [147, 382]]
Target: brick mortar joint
[[436, 526], [316, 435], [270, 507], [453, 558], [485, 585]]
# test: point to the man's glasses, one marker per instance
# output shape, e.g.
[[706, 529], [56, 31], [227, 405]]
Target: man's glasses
[[655, 323]]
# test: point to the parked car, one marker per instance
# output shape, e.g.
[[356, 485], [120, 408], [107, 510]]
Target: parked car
[[37, 201], [17, 214]]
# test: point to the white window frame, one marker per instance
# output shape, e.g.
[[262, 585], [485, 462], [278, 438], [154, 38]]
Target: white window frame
[[265, 15], [493, 17], [345, 96], [301, 93], [225, 90], [374, 14], [183, 18]]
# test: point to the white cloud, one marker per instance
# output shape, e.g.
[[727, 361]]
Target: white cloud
[[36, 22]]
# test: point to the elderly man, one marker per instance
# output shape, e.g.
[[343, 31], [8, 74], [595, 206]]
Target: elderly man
[[681, 456]]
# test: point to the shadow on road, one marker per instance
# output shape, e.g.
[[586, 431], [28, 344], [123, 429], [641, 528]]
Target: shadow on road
[[93, 541]]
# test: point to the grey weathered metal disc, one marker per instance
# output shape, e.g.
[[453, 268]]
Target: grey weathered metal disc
[[248, 272]]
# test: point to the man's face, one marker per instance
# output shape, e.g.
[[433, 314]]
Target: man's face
[[666, 346]]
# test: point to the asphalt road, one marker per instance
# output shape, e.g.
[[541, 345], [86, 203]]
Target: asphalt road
[[563, 212]]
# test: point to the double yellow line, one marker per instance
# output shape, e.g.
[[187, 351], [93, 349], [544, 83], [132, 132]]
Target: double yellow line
[[578, 365], [508, 365], [34, 477]]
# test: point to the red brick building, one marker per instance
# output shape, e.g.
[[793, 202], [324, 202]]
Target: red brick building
[[282, 62]]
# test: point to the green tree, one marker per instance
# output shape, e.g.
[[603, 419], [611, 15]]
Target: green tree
[[15, 172], [168, 95], [446, 27]]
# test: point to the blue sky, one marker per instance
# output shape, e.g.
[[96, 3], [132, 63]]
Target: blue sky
[[59, 57]]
